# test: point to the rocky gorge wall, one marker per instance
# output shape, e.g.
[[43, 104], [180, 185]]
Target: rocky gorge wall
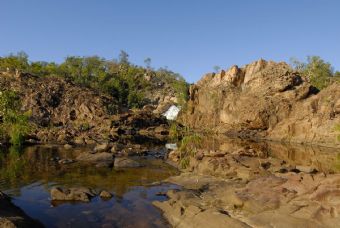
[[67, 113], [264, 99]]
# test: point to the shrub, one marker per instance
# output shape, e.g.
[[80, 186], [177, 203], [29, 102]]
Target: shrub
[[319, 72], [188, 148], [14, 124]]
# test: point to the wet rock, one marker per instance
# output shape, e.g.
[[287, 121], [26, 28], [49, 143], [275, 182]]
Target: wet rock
[[105, 194], [71, 194], [122, 162]]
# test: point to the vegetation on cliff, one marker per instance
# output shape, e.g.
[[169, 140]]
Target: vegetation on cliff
[[320, 73], [130, 84], [13, 123]]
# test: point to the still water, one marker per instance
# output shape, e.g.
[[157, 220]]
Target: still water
[[28, 175]]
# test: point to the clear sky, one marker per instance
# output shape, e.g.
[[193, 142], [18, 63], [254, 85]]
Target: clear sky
[[187, 36]]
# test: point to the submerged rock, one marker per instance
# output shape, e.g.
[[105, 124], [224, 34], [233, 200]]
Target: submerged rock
[[72, 194], [103, 158], [123, 162]]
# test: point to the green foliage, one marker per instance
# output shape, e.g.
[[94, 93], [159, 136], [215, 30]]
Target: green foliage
[[177, 82], [319, 72], [188, 148], [117, 78], [14, 124], [178, 131], [13, 62]]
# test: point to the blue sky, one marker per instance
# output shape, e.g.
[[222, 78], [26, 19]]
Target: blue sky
[[187, 36]]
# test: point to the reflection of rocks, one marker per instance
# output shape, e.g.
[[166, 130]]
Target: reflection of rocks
[[12, 216], [122, 162], [72, 194]]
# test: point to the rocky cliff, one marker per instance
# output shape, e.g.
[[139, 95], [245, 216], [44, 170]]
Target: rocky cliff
[[67, 113], [265, 99]]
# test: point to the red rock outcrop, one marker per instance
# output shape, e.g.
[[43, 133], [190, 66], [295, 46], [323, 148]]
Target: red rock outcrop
[[266, 100]]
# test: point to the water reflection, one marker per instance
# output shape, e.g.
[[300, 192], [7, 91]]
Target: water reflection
[[28, 174], [324, 159]]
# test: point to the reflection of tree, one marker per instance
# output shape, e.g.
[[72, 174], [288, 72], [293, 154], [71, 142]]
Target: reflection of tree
[[12, 165], [21, 167]]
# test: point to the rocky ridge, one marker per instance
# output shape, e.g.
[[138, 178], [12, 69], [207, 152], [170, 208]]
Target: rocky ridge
[[265, 100], [67, 113]]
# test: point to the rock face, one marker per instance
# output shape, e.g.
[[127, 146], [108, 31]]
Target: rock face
[[264, 99], [67, 113]]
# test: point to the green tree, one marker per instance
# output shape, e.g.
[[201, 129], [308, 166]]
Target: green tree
[[13, 62], [217, 69], [318, 71], [13, 124]]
